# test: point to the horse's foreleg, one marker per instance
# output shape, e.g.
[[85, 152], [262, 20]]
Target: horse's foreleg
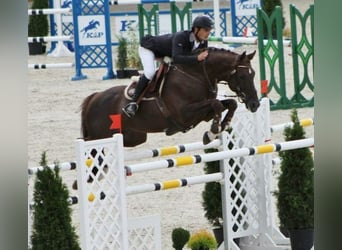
[[205, 111], [218, 109], [231, 105], [215, 128]]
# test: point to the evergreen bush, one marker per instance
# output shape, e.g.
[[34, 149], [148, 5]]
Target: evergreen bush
[[211, 196], [52, 224], [38, 24], [122, 59], [180, 237], [269, 6], [133, 58], [295, 195]]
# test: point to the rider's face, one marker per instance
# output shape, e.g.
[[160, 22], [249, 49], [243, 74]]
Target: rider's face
[[202, 33]]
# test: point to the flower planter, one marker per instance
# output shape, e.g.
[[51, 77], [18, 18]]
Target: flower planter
[[218, 232], [301, 239], [126, 73], [36, 48], [121, 74]]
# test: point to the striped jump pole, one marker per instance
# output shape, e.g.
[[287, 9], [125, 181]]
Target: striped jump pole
[[63, 166], [304, 123], [176, 183], [182, 148], [71, 199], [50, 65], [244, 40], [48, 11], [158, 186], [194, 159], [49, 39], [170, 150]]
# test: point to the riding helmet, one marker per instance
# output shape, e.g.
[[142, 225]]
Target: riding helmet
[[203, 21]]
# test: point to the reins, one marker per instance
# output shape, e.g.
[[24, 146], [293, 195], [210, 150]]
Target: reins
[[239, 94], [211, 89]]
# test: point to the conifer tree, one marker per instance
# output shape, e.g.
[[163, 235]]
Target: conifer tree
[[269, 6], [52, 225], [295, 185], [38, 24]]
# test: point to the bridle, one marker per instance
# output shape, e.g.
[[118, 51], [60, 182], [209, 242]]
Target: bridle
[[241, 96]]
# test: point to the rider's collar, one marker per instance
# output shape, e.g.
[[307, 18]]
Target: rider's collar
[[192, 37]]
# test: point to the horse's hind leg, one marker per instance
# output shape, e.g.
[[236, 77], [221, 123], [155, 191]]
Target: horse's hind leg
[[231, 105], [133, 138]]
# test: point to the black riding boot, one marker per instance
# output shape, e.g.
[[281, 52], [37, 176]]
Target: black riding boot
[[132, 107]]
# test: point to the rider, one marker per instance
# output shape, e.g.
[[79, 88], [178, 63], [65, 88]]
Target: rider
[[178, 46]]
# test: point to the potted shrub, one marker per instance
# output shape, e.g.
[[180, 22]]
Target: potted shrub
[[202, 240], [38, 26], [295, 194], [121, 61], [180, 237], [133, 58]]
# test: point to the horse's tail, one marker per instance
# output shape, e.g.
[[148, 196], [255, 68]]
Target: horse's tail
[[84, 110]]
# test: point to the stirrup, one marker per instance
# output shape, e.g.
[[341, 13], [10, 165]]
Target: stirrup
[[130, 109]]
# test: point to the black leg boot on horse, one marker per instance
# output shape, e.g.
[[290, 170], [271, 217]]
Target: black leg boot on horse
[[133, 106]]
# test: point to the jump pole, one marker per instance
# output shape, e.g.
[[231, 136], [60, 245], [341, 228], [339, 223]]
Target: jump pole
[[182, 148], [176, 183], [216, 156], [50, 65]]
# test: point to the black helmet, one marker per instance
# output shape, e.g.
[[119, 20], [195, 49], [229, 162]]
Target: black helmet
[[203, 21]]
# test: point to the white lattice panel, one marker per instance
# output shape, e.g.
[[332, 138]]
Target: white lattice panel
[[247, 179], [103, 200], [144, 233]]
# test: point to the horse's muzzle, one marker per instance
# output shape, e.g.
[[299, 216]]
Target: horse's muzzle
[[253, 105]]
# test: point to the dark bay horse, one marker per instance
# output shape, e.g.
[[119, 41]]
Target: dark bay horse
[[186, 97]]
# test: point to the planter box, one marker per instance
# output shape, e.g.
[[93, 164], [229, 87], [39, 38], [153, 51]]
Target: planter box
[[37, 48], [126, 73], [132, 72]]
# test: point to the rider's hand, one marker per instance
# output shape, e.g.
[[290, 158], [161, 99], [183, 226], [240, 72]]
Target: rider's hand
[[202, 56]]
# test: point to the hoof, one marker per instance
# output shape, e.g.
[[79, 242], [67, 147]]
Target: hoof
[[215, 128]]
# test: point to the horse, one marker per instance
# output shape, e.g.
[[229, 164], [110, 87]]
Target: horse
[[186, 96]]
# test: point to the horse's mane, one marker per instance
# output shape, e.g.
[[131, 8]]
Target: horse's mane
[[215, 50]]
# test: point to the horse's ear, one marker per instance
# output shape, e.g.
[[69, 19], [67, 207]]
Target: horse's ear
[[242, 56], [251, 55]]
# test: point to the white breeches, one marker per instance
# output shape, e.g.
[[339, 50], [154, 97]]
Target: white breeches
[[148, 62]]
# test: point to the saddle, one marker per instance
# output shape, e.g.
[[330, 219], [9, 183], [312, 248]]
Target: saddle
[[154, 87], [152, 92]]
